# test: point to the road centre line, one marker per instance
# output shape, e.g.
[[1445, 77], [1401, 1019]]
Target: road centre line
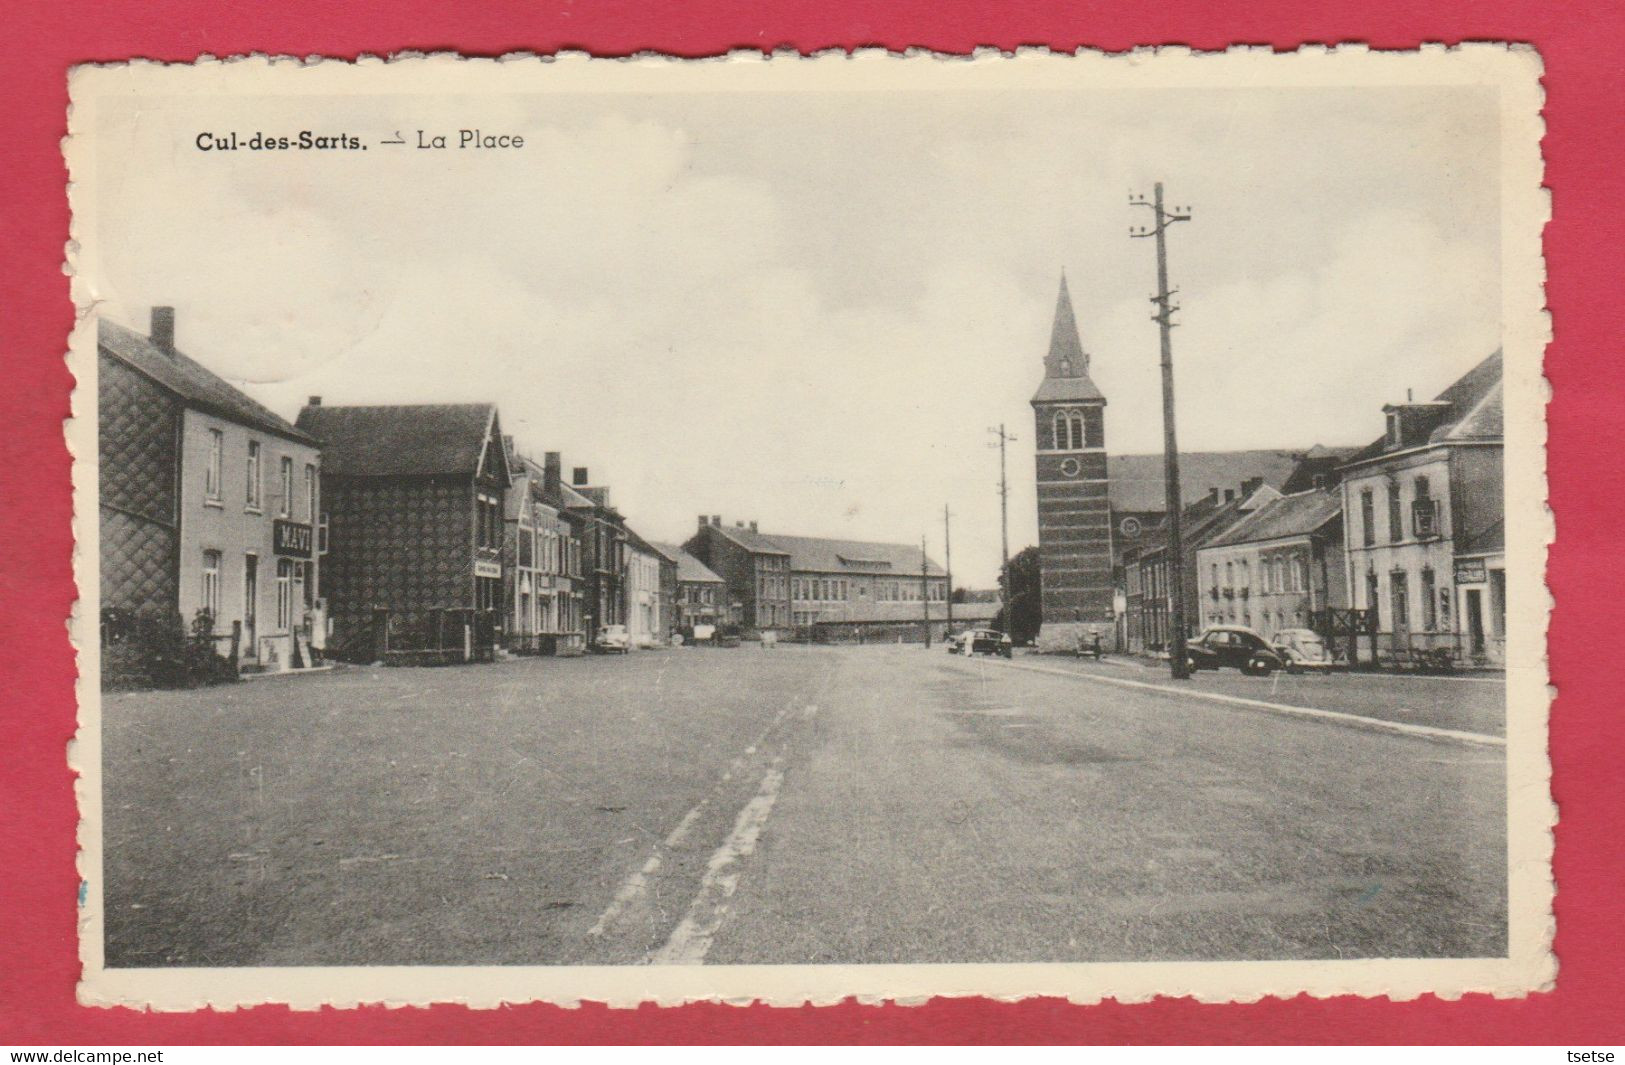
[[691, 939], [1352, 720], [634, 886]]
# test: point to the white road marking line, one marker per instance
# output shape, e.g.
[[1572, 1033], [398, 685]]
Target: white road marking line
[[1401, 728], [691, 939]]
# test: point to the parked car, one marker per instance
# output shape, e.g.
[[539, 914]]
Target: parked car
[[1303, 650], [611, 640], [1233, 645], [980, 642]]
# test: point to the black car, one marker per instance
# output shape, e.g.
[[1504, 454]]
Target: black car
[[1234, 645], [980, 642]]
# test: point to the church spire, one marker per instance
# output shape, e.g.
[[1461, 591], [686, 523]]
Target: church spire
[[1066, 356], [1066, 367]]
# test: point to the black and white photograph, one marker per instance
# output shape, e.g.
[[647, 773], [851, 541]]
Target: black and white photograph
[[790, 528]]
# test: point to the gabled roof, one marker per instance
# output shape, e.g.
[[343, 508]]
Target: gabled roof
[[753, 542], [1294, 515], [689, 568], [1475, 410], [1066, 366], [819, 555], [189, 381], [404, 441], [1136, 484], [1205, 521]]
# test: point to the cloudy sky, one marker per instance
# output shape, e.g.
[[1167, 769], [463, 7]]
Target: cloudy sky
[[807, 310]]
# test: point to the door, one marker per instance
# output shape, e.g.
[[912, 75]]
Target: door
[[1400, 604], [1475, 620], [251, 600]]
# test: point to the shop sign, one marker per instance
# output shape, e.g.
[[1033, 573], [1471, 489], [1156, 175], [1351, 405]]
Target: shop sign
[[290, 539], [1470, 571], [487, 569]]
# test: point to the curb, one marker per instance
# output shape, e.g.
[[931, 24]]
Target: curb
[[1372, 724]]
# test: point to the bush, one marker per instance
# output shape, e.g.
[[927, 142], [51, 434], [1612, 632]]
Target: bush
[[156, 649]]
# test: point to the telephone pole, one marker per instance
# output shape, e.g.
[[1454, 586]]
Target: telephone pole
[[1170, 444], [925, 593], [1004, 521], [948, 564]]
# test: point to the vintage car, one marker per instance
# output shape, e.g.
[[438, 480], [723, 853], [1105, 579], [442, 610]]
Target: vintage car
[[1236, 646], [611, 640], [1304, 651], [980, 642]]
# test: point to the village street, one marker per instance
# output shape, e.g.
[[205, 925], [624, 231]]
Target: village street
[[798, 805]]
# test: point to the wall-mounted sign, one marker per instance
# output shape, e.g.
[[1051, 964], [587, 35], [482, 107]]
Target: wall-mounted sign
[[487, 569], [1470, 571], [290, 539]]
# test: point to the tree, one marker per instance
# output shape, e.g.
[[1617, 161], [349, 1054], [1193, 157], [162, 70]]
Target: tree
[[1023, 614]]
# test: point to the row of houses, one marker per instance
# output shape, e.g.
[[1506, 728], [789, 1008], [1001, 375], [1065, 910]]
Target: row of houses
[[1397, 547], [418, 533]]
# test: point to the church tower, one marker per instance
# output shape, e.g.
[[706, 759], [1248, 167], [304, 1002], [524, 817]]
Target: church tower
[[1074, 513]]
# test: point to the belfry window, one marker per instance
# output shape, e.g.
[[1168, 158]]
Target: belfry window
[[1069, 431]]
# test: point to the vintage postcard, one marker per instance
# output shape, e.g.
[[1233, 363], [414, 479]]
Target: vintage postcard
[[789, 528]]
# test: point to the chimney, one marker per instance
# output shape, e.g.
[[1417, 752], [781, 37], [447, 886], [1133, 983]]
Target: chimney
[[579, 477], [1251, 485], [702, 521], [1229, 494], [314, 401], [552, 474], [716, 521], [753, 526], [739, 524], [1213, 494], [162, 332]]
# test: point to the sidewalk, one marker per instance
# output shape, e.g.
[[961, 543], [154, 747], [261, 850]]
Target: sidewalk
[[1476, 708]]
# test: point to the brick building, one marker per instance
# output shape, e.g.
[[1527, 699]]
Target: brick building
[[208, 502], [602, 532], [755, 570], [541, 566], [414, 498], [699, 595], [1075, 553]]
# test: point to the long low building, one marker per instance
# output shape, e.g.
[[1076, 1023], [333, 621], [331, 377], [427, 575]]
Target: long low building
[[834, 589]]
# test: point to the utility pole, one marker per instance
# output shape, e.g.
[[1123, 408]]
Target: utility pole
[[948, 564], [925, 594], [1170, 444], [1004, 521]]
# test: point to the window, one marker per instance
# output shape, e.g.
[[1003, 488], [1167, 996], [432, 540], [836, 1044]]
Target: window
[[252, 498], [310, 493], [1429, 607], [211, 472], [1398, 592], [211, 584], [284, 504], [1299, 577], [1368, 518], [1393, 429], [1068, 430], [1094, 430], [1396, 525], [284, 594]]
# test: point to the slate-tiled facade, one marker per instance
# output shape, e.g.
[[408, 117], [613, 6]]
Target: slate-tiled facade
[[412, 531]]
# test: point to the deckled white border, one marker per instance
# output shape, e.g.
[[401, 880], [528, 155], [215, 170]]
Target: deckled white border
[[1515, 70]]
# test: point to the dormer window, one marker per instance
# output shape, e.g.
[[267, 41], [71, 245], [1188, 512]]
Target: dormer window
[[1393, 429]]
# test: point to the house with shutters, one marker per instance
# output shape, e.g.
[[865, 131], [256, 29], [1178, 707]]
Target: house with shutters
[[1424, 514], [208, 502], [414, 503]]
